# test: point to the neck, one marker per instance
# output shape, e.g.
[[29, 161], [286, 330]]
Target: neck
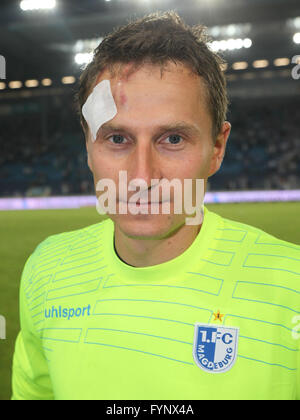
[[148, 252]]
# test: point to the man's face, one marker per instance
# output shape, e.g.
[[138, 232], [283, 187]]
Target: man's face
[[163, 130]]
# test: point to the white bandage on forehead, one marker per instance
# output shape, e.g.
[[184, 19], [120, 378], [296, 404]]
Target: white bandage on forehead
[[99, 108]]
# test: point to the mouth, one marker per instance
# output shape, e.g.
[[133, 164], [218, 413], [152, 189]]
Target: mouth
[[143, 203], [147, 203]]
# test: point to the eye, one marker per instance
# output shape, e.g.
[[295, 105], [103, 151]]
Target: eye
[[116, 139], [174, 139]]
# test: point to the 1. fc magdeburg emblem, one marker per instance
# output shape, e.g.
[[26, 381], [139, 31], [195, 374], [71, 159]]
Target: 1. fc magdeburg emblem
[[215, 347]]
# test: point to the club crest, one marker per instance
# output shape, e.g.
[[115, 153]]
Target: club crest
[[215, 347]]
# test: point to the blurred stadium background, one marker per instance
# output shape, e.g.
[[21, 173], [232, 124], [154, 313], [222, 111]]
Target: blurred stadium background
[[45, 45]]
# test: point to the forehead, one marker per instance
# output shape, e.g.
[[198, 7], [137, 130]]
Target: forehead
[[169, 75], [150, 95]]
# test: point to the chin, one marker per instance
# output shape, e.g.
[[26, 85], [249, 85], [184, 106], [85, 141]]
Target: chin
[[145, 226]]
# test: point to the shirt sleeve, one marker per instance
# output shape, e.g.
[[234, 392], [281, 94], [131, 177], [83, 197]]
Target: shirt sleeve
[[30, 375]]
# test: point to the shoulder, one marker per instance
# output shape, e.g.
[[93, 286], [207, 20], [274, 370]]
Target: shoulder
[[262, 261], [62, 242], [62, 248], [257, 239]]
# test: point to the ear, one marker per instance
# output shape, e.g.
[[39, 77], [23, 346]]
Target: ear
[[219, 148], [87, 145]]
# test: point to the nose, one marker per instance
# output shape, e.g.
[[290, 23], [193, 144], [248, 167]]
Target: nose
[[144, 165]]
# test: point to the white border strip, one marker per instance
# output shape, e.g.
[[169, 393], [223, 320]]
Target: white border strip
[[252, 196], [73, 202]]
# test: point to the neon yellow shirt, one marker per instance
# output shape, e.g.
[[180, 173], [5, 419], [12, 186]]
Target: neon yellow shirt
[[217, 322]]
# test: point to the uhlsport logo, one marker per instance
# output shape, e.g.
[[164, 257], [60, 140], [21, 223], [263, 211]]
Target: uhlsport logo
[[215, 347]]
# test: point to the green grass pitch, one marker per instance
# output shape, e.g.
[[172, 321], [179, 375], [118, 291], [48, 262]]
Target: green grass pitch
[[22, 231]]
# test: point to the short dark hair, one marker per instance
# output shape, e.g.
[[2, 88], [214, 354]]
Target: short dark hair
[[159, 38]]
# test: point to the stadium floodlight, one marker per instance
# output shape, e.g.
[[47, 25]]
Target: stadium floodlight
[[240, 65], [296, 38], [230, 44], [247, 43], [235, 44], [31, 83], [46, 82], [281, 62], [297, 22], [83, 50], [230, 31], [223, 45], [83, 58], [260, 64], [28, 5], [68, 80], [294, 22], [215, 31], [239, 43], [214, 46], [16, 84]]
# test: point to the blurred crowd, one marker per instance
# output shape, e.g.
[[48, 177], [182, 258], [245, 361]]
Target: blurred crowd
[[264, 146], [43, 152], [43, 149]]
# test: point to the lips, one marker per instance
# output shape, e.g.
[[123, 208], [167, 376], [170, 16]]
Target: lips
[[139, 202], [144, 203]]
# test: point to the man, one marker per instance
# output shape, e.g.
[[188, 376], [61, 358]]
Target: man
[[146, 306]]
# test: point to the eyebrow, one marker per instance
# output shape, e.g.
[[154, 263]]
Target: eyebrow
[[181, 126]]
